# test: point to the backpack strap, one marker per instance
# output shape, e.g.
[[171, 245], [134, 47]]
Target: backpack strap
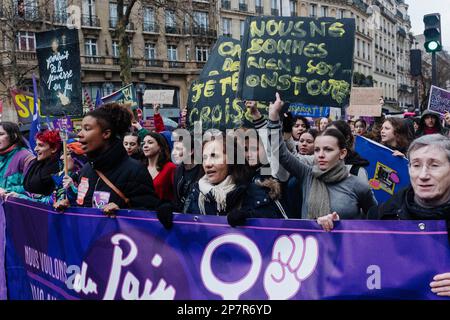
[[113, 187]]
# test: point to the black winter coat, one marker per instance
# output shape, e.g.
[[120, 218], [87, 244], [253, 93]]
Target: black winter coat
[[401, 206], [252, 198], [38, 179], [184, 181], [128, 175]]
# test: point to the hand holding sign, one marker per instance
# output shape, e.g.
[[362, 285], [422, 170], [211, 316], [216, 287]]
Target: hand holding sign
[[447, 117], [156, 107]]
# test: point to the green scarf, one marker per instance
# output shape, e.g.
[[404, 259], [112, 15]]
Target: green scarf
[[319, 199]]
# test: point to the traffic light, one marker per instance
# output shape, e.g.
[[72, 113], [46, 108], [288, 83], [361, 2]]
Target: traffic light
[[433, 41]]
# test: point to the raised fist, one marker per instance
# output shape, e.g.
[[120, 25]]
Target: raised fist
[[293, 260]]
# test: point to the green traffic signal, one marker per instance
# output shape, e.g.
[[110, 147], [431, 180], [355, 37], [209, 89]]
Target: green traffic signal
[[432, 32]]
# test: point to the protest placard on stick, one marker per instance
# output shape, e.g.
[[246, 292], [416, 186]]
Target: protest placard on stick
[[365, 102], [439, 101]]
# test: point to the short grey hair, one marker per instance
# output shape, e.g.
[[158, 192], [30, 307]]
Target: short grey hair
[[437, 140]]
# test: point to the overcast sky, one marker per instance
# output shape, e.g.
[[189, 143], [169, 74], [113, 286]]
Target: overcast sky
[[418, 8]]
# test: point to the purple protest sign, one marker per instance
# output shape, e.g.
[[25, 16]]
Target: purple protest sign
[[439, 101], [63, 124], [82, 254]]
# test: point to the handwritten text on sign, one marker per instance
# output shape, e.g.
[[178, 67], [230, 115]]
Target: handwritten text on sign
[[212, 98], [158, 96], [305, 60]]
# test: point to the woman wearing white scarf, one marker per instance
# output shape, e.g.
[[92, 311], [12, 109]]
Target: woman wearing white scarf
[[227, 187]]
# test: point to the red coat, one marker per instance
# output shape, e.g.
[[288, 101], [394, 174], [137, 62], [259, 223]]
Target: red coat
[[163, 182]]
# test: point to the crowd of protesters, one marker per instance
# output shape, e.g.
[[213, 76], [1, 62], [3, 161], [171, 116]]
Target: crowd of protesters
[[114, 163]]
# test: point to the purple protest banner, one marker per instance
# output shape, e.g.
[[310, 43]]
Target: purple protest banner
[[83, 254], [2, 252]]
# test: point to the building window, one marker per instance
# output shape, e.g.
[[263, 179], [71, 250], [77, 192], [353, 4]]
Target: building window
[[170, 19], [226, 27], [274, 6], [150, 51], [90, 47], [89, 8], [201, 53], [313, 10], [200, 19], [60, 14], [324, 11], [293, 8], [113, 15], [172, 53], [242, 27], [259, 7], [115, 49], [340, 14], [26, 41], [29, 9], [149, 19]]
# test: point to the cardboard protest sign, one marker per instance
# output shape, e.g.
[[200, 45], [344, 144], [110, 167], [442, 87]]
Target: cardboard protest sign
[[387, 173], [226, 53], [58, 54], [439, 101], [158, 97], [24, 105], [125, 95], [304, 59], [212, 99], [304, 110], [365, 102]]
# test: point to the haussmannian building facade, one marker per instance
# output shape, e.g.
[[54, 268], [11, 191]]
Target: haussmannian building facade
[[170, 44]]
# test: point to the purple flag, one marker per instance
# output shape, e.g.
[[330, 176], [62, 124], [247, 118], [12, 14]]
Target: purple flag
[[34, 129]]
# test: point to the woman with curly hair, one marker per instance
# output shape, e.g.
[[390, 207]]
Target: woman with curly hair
[[111, 180], [157, 159]]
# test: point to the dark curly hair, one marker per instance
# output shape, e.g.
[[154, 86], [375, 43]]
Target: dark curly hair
[[113, 116]]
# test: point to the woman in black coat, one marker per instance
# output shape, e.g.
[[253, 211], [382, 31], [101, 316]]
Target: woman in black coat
[[130, 185]]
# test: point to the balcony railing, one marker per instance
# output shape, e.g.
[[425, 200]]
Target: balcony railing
[[31, 14], [60, 18], [26, 55], [90, 21], [93, 59], [243, 7], [202, 31], [174, 30], [150, 27], [275, 12], [226, 4], [177, 64], [154, 63], [114, 21], [259, 9], [135, 62]]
